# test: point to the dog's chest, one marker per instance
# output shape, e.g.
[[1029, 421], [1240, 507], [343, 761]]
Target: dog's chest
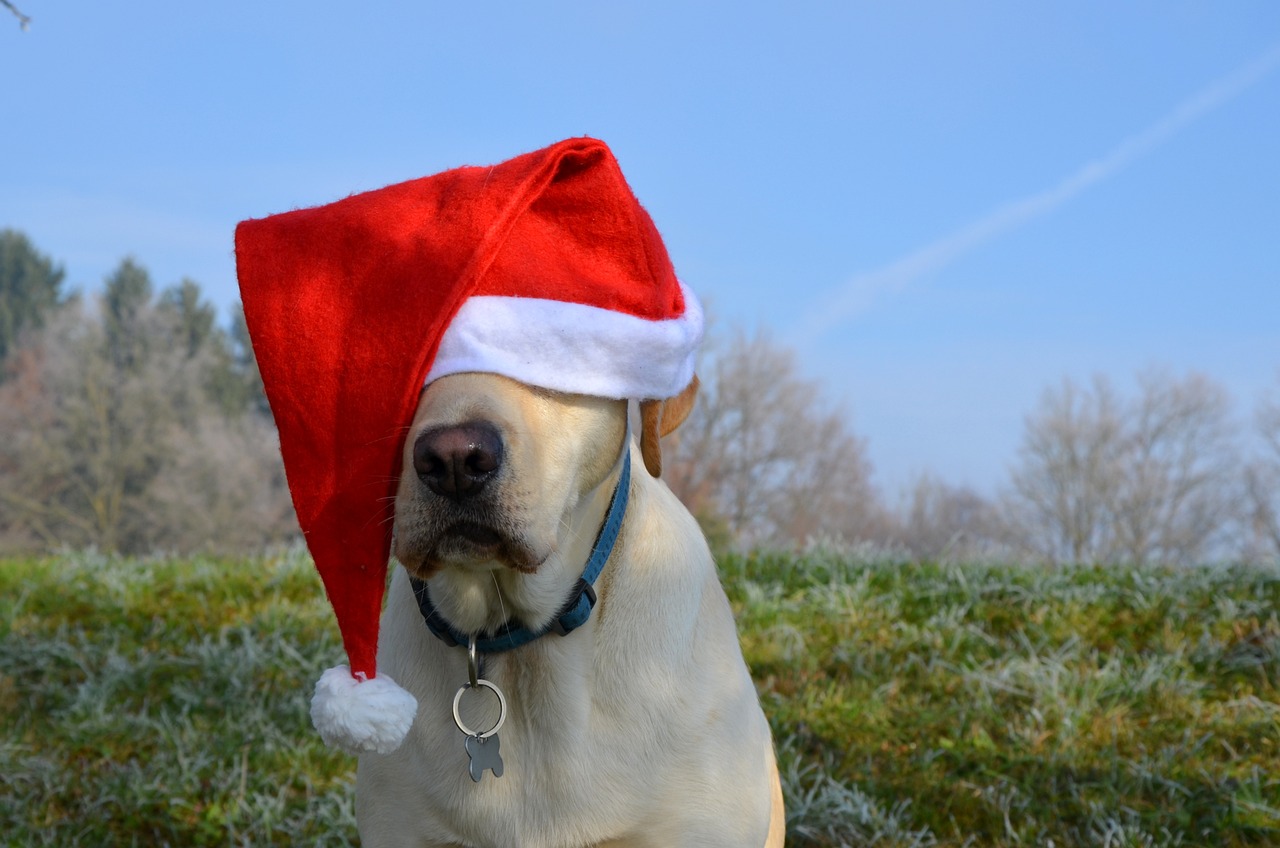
[[571, 775]]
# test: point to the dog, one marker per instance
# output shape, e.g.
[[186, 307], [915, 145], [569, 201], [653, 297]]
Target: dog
[[641, 727]]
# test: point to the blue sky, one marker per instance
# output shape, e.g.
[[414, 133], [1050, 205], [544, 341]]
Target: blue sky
[[946, 207]]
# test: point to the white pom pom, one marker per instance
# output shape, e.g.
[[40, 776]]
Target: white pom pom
[[361, 716]]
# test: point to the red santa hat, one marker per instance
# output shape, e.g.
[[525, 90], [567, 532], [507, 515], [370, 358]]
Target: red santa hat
[[544, 268]]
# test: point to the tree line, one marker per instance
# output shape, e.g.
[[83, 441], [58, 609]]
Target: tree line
[[133, 421], [1166, 476], [129, 422]]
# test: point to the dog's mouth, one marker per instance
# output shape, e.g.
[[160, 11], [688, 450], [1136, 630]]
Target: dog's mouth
[[466, 544], [473, 535]]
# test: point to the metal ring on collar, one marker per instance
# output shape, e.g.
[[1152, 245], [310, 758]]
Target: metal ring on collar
[[502, 709], [472, 663]]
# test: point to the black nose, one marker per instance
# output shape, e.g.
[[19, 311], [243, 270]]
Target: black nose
[[456, 461]]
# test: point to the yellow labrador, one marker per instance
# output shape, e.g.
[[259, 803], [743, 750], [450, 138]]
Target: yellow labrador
[[639, 728]]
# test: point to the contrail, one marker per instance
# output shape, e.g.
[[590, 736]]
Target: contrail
[[857, 294]]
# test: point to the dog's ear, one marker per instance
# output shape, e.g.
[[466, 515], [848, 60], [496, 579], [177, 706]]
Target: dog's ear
[[658, 418]]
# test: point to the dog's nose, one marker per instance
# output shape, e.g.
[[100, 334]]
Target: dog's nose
[[456, 461]]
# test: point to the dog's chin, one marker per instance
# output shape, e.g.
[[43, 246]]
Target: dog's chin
[[468, 546]]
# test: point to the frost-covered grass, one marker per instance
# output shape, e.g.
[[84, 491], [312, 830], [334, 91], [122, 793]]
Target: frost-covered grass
[[156, 702], [149, 702], [924, 704]]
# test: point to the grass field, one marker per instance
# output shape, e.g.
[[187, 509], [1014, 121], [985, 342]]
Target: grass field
[[153, 702]]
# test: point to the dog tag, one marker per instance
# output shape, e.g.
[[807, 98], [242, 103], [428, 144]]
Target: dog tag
[[482, 747], [483, 752]]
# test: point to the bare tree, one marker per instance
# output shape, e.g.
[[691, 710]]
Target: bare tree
[[225, 492], [1262, 483], [1153, 480], [762, 455], [81, 454], [1067, 475], [1179, 491], [942, 521], [24, 21]]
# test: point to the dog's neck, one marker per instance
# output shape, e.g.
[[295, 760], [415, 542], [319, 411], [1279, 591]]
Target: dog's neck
[[487, 598]]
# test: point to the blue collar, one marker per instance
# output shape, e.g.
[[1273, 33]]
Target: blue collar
[[576, 610]]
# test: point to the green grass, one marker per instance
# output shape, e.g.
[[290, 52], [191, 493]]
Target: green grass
[[152, 702]]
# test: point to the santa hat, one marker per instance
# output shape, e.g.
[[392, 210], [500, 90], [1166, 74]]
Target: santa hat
[[544, 268]]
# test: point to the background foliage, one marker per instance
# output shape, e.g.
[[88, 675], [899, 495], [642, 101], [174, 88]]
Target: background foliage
[[135, 422]]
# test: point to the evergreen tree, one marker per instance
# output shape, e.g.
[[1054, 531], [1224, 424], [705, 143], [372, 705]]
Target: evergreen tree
[[189, 325], [30, 286], [191, 319], [247, 364], [125, 301]]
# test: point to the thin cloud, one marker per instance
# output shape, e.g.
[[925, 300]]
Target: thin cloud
[[858, 294]]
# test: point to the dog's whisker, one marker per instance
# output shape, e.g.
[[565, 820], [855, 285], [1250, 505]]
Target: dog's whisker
[[502, 606], [575, 535], [394, 434]]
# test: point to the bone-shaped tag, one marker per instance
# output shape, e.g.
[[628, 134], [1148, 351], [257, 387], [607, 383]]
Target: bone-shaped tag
[[484, 755]]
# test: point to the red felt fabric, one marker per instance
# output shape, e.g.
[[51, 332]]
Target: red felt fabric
[[346, 304]]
